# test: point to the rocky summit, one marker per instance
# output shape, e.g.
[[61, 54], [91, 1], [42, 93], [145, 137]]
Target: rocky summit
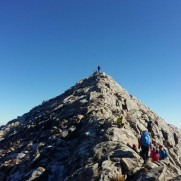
[[74, 137]]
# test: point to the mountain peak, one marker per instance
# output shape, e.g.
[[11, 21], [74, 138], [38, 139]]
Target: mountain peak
[[74, 136]]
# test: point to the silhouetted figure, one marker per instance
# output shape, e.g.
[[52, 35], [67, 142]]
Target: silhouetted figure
[[98, 68], [149, 126]]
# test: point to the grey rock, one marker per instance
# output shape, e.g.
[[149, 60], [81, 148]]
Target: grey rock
[[72, 128], [154, 174], [178, 178], [35, 174], [74, 136], [64, 133]]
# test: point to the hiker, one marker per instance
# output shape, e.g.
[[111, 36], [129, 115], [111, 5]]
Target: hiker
[[98, 68], [145, 143], [149, 126], [135, 148], [162, 153], [120, 122], [154, 155]]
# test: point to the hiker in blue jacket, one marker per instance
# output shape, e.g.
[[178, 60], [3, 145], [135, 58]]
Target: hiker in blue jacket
[[163, 153], [145, 143]]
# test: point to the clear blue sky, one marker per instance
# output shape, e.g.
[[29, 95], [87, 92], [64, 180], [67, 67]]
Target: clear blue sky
[[47, 46]]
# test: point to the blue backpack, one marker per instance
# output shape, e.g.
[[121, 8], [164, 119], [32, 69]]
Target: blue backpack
[[145, 140], [166, 153], [163, 154]]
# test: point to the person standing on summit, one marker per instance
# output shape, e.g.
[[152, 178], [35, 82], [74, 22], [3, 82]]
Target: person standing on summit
[[98, 68]]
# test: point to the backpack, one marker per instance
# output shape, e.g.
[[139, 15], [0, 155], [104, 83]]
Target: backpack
[[145, 140], [163, 154]]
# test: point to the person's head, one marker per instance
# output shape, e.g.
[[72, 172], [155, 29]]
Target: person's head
[[134, 145], [145, 131], [160, 147]]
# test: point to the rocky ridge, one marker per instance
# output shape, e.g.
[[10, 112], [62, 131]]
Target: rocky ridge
[[74, 136]]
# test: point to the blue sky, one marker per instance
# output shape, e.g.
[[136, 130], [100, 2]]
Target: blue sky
[[47, 46]]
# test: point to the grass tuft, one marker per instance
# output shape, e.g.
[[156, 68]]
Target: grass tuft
[[117, 178]]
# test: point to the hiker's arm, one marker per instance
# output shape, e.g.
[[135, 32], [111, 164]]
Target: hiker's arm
[[151, 144]]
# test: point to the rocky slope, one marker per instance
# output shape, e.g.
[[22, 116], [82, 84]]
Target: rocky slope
[[74, 137]]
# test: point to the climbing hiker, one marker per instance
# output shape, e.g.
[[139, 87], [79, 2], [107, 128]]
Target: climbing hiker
[[162, 153], [98, 68], [135, 148], [154, 155], [145, 143], [120, 122], [149, 126]]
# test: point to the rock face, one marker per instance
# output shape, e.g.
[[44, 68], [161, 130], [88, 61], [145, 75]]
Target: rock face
[[75, 137]]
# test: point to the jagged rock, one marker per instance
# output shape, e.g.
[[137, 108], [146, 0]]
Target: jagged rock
[[64, 133], [35, 174], [178, 178], [122, 135], [154, 174], [72, 128], [74, 136]]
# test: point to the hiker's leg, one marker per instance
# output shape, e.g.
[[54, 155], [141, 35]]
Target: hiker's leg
[[146, 151], [143, 153]]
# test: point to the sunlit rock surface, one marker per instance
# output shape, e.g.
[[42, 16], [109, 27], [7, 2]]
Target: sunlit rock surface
[[74, 136]]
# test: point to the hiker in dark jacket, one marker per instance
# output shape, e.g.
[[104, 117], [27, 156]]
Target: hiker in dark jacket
[[98, 68], [145, 143], [149, 126]]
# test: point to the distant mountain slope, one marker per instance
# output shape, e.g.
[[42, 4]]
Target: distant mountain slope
[[74, 136]]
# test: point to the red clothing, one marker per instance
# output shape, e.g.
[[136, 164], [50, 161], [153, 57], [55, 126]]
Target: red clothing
[[154, 155]]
